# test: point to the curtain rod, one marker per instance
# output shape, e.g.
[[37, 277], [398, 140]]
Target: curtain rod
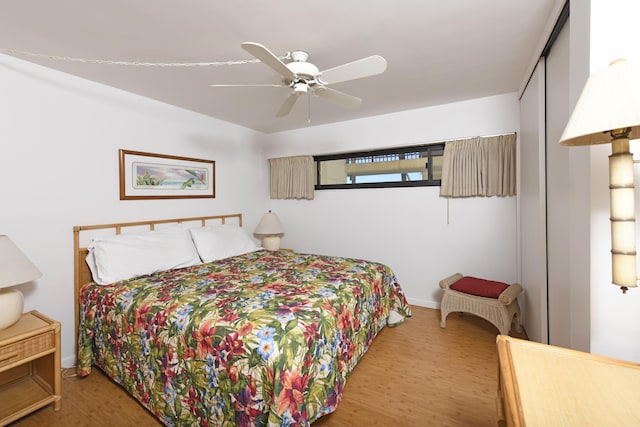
[[478, 136]]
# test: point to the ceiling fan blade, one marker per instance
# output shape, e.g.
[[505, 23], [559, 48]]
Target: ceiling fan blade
[[364, 67], [338, 97], [268, 58], [249, 85], [287, 105]]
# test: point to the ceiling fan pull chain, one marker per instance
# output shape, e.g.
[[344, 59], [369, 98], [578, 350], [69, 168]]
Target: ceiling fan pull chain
[[309, 108]]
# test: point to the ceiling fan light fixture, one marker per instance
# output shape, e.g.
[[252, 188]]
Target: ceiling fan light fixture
[[304, 69], [300, 87], [299, 56]]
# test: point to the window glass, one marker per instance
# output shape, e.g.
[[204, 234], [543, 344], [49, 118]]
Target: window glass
[[398, 167]]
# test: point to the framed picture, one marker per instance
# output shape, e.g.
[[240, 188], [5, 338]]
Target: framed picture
[[159, 176]]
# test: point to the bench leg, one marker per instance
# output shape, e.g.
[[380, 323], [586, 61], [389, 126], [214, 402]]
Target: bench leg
[[443, 319], [516, 317]]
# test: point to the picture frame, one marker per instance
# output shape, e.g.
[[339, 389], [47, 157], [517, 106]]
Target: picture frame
[[160, 176]]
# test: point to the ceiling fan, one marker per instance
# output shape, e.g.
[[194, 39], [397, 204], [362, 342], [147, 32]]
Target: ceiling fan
[[303, 77]]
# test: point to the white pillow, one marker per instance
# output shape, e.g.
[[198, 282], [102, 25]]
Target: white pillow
[[222, 241], [115, 258]]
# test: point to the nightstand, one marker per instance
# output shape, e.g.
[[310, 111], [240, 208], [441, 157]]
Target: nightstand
[[30, 372]]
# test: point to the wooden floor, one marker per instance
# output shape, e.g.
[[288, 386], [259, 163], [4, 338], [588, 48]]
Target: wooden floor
[[416, 374]]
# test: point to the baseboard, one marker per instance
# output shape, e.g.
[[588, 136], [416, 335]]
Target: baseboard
[[424, 303], [68, 362]]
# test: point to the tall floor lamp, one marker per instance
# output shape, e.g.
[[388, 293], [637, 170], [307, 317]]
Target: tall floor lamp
[[15, 269], [608, 110]]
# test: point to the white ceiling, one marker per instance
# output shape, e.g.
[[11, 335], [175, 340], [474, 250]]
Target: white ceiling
[[438, 51]]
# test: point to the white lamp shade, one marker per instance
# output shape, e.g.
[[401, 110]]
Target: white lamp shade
[[15, 267], [269, 225], [610, 100]]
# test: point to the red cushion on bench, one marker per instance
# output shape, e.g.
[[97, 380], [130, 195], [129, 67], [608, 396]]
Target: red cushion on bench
[[479, 287]]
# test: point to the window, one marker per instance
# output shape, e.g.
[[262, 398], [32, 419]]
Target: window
[[419, 165]]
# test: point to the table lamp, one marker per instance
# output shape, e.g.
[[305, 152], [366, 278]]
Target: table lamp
[[608, 111], [271, 228], [15, 269]]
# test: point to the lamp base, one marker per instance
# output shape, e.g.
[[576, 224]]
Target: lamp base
[[11, 305], [271, 243], [622, 208]]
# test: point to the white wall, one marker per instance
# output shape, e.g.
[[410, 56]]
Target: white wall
[[406, 228], [59, 141]]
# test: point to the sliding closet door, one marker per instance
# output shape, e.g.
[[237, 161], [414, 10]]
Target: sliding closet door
[[568, 290], [532, 206], [558, 194]]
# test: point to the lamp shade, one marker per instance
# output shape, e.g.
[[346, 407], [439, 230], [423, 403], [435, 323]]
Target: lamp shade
[[15, 267], [610, 100], [269, 225]]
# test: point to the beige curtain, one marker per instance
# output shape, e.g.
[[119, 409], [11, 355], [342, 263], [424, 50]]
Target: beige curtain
[[479, 167], [292, 177]]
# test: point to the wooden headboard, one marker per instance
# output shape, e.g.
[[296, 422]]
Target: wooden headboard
[[82, 235]]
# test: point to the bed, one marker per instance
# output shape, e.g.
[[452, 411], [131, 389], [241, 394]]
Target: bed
[[255, 338]]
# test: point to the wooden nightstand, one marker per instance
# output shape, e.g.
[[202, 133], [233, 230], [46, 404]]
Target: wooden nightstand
[[30, 372]]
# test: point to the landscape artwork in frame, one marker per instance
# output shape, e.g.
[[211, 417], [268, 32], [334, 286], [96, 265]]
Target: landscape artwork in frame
[[159, 176]]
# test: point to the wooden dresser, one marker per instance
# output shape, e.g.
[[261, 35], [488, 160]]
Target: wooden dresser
[[30, 375], [544, 385]]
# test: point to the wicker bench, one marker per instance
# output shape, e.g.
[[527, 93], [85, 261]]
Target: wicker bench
[[500, 309]]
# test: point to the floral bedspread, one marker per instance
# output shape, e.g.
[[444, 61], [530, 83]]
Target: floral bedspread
[[266, 338]]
